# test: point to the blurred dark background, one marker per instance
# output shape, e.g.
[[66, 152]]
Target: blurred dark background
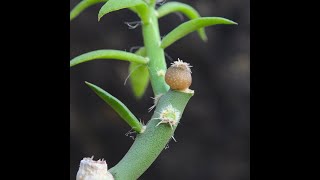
[[213, 136]]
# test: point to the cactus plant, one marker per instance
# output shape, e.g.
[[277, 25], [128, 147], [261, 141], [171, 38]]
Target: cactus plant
[[170, 85]]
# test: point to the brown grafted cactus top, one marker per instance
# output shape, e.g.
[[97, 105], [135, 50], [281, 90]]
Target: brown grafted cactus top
[[178, 75]]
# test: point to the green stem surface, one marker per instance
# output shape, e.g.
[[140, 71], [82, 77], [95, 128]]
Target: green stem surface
[[152, 42], [148, 145]]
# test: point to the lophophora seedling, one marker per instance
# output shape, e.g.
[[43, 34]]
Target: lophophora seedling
[[170, 85], [178, 75]]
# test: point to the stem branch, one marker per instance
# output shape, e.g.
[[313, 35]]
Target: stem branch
[[152, 42]]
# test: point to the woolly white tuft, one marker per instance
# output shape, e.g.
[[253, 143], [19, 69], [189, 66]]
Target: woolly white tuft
[[169, 115], [93, 170], [181, 64]]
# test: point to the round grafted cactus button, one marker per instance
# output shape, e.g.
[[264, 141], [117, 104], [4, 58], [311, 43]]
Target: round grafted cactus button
[[178, 75]]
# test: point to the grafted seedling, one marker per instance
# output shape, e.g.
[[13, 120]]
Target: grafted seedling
[[178, 75], [170, 86]]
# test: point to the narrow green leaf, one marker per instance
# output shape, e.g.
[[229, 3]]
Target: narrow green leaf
[[141, 51], [139, 76], [186, 9], [83, 5], [108, 54], [114, 5], [191, 26], [119, 107]]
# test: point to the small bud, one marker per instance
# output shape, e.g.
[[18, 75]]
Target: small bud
[[178, 75], [93, 170], [161, 72], [169, 115]]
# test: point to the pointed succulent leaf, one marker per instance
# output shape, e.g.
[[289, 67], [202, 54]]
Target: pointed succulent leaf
[[113, 5], [187, 10], [108, 54], [119, 107], [139, 76], [139, 79], [83, 5], [190, 26]]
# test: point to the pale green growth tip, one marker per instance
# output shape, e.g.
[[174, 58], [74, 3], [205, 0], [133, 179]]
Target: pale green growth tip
[[169, 115], [161, 73]]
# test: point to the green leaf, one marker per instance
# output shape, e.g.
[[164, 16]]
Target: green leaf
[[83, 5], [186, 9], [114, 5], [191, 26], [139, 76], [108, 54], [141, 51], [119, 107]]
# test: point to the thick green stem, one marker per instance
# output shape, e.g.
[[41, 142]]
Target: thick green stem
[[152, 2], [149, 144], [152, 42]]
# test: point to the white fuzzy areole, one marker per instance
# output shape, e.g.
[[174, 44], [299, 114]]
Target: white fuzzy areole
[[93, 170], [165, 116], [181, 64], [161, 72]]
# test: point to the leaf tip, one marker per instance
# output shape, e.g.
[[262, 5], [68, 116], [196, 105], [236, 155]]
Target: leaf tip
[[232, 22], [87, 83], [138, 96], [92, 86], [73, 14], [204, 37], [228, 21], [100, 14]]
